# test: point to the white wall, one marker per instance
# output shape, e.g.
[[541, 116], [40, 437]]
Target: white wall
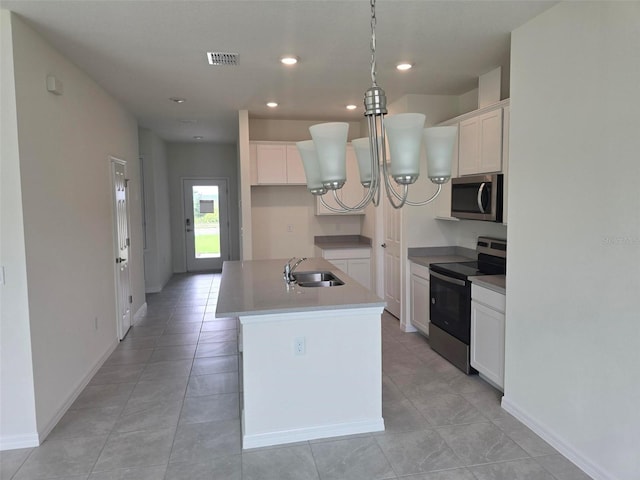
[[158, 267], [192, 160], [573, 308], [17, 396], [468, 231], [64, 147]]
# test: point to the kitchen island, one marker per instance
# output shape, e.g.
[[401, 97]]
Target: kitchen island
[[311, 356]]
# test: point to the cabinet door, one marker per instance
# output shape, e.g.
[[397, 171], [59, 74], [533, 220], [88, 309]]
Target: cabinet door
[[420, 303], [490, 142], [271, 164], [341, 264], [295, 170], [468, 145], [360, 270], [487, 342]]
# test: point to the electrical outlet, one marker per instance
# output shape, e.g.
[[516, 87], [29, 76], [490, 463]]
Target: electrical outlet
[[290, 228], [300, 346]]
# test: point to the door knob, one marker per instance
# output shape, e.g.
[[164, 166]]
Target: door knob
[[120, 260], [384, 245]]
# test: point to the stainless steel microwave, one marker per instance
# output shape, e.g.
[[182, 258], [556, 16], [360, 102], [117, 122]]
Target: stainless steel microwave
[[477, 198]]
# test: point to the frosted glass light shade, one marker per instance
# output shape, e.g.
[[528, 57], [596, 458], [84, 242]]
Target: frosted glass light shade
[[330, 140], [404, 135], [311, 166], [439, 142], [363, 153]]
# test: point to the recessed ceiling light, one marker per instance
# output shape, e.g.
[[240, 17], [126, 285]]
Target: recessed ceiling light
[[198, 137], [404, 66], [289, 60], [351, 107], [272, 104], [178, 99]]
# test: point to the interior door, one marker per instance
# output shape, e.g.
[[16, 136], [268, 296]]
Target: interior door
[[206, 223], [121, 235], [392, 236]]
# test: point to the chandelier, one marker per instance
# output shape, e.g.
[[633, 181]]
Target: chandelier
[[324, 157]]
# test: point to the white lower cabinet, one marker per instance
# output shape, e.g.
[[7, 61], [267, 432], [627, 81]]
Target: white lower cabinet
[[355, 262], [420, 297], [487, 333]]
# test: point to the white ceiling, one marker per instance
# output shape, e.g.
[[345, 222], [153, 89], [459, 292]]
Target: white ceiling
[[144, 52]]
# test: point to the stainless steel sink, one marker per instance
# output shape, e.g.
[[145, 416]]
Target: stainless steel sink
[[317, 279]]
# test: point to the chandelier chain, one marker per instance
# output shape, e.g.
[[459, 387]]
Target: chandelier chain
[[373, 43]]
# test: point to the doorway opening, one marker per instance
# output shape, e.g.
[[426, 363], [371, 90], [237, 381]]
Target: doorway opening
[[206, 223]]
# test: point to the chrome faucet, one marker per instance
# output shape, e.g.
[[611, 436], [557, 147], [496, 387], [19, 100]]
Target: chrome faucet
[[288, 270]]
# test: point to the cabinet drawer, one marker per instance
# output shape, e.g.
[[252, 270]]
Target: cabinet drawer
[[488, 297], [419, 270]]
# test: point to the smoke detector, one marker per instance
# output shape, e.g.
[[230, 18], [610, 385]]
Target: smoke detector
[[222, 58]]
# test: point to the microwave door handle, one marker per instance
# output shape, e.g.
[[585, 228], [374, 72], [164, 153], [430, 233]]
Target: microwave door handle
[[479, 200]]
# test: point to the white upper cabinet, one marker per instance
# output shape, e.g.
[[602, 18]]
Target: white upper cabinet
[[480, 144], [278, 164], [295, 169], [350, 194]]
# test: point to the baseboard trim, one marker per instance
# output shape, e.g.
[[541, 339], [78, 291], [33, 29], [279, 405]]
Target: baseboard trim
[[153, 289], [142, 311], [42, 434], [13, 442], [547, 434], [311, 433]]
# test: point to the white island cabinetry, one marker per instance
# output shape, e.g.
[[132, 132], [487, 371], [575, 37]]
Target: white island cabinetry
[[311, 357], [487, 333]]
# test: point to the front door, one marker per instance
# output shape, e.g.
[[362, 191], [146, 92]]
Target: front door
[[392, 235], [121, 237], [206, 223]]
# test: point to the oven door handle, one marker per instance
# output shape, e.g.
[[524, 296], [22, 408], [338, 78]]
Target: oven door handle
[[479, 199], [447, 279]]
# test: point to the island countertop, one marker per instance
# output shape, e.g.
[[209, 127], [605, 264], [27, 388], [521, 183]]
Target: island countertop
[[257, 287]]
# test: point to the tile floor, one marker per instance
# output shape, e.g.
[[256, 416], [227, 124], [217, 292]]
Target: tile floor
[[165, 405]]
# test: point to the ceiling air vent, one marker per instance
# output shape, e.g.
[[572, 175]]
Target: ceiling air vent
[[221, 58]]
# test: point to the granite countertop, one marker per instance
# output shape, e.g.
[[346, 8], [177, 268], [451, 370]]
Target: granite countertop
[[333, 242], [497, 283], [427, 255], [428, 260], [256, 287]]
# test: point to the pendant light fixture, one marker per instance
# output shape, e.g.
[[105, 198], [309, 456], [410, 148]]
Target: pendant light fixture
[[324, 157]]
